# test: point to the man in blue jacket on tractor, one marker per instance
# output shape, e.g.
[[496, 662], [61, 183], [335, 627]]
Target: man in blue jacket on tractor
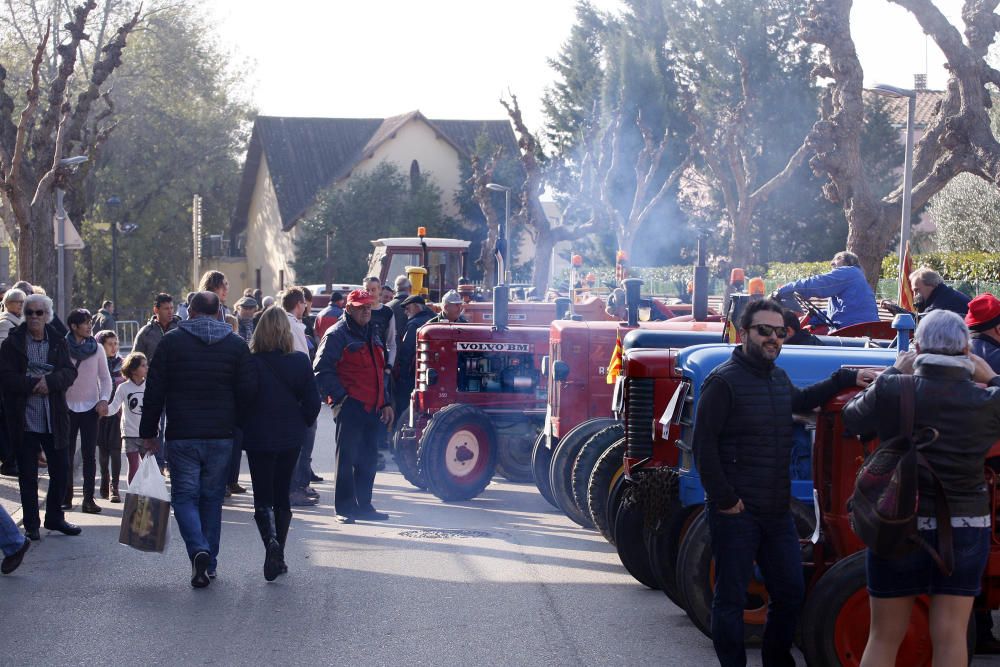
[[851, 298]]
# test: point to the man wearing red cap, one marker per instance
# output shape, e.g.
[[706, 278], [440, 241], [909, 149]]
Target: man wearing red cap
[[983, 320], [350, 371]]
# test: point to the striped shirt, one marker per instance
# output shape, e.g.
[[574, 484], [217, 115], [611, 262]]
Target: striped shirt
[[37, 416]]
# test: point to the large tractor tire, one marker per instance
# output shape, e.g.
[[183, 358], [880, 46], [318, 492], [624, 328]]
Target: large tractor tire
[[458, 452], [616, 494], [836, 619], [629, 526], [541, 459], [586, 460], [696, 576], [404, 453], [606, 471], [561, 469], [514, 459], [663, 543]]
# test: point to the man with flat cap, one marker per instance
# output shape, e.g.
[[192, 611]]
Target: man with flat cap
[[452, 305], [418, 314], [350, 371]]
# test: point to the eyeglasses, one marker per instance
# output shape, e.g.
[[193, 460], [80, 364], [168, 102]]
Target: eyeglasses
[[766, 330], [32, 313]]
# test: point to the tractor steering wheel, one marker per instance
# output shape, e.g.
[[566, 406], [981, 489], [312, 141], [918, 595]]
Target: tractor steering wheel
[[813, 311]]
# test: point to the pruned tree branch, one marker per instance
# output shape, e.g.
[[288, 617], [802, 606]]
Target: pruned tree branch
[[14, 177]]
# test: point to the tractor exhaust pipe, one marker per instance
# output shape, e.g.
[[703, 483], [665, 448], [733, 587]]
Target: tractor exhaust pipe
[[699, 299], [633, 287], [501, 293], [562, 307]]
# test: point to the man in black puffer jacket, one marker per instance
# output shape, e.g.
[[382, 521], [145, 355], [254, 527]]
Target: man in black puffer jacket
[[742, 445], [202, 376]]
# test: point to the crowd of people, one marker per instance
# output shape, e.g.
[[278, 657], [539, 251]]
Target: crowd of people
[[201, 385]]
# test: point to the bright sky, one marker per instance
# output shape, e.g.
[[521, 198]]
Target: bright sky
[[455, 58]]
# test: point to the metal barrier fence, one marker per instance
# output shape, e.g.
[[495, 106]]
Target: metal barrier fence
[[127, 331]]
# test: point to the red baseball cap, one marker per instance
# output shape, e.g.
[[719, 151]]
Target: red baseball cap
[[360, 297], [984, 313]]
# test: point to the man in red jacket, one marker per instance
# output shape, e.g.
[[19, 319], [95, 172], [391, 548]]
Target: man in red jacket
[[350, 371]]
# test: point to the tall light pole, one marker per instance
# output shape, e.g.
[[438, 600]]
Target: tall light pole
[[500, 296], [114, 204], [68, 163], [904, 225]]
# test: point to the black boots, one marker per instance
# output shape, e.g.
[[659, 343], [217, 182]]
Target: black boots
[[264, 516], [282, 520]]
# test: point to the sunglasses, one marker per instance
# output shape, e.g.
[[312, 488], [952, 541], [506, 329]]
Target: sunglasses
[[766, 330], [32, 313]]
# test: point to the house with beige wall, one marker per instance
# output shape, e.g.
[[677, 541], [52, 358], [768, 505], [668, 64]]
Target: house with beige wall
[[290, 161]]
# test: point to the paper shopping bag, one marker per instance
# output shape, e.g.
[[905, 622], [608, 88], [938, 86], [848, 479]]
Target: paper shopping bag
[[146, 517]]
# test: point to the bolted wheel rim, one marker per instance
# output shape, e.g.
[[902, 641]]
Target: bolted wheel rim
[[466, 454], [851, 632]]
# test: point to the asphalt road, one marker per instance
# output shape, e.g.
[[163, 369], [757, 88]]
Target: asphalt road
[[501, 579]]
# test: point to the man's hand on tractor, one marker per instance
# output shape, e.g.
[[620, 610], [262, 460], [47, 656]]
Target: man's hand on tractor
[[904, 362], [865, 377], [982, 371]]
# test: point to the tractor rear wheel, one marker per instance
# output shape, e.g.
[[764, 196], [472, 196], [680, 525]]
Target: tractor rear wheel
[[696, 576], [583, 468], [837, 616], [541, 459], [514, 459], [663, 544], [609, 464], [404, 453], [629, 526], [561, 469], [458, 452]]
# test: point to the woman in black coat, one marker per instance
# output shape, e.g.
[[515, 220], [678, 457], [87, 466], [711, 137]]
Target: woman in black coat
[[287, 403], [35, 372]]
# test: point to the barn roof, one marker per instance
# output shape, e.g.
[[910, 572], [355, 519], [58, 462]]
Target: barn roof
[[305, 155]]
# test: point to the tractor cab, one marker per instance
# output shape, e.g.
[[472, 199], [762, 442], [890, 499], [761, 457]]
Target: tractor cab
[[444, 260]]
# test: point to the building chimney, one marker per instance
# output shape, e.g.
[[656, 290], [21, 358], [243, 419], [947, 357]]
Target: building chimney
[[920, 82]]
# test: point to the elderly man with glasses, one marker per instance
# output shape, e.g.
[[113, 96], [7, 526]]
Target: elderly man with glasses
[[35, 372], [742, 444]]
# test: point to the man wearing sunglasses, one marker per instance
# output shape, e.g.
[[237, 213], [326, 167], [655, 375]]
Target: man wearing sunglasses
[[742, 444]]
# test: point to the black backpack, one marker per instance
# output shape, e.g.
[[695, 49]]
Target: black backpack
[[883, 507]]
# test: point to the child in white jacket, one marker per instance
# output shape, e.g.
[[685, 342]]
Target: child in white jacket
[[129, 395]]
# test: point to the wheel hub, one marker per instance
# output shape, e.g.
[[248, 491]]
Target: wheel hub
[[462, 453]]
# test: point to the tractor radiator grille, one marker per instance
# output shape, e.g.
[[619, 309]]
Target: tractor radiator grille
[[639, 417]]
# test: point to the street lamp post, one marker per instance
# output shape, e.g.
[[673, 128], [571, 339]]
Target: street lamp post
[[500, 295], [904, 225], [114, 203], [70, 164]]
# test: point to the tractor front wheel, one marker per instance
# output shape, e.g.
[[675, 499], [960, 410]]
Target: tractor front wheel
[[664, 544], [629, 527], [514, 459], [585, 463], [606, 471], [541, 459], [561, 469], [458, 452]]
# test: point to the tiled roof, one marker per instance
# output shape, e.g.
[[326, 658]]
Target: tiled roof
[[927, 105], [305, 155]]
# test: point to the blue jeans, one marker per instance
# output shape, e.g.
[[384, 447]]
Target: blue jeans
[[773, 542], [197, 487], [303, 469], [11, 538]]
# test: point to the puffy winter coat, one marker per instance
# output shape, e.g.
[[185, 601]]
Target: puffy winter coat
[[350, 362], [202, 376], [743, 433]]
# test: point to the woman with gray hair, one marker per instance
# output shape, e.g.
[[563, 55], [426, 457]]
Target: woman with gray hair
[[967, 418], [13, 304], [35, 372]]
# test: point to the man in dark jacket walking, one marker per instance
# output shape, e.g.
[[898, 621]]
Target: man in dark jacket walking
[[202, 376], [350, 372], [35, 372], [406, 357], [104, 319], [742, 444]]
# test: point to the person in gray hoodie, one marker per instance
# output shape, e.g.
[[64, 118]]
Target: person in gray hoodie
[[202, 375]]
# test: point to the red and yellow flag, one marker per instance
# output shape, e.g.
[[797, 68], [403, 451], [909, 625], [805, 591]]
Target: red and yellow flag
[[615, 365], [905, 289], [729, 333]]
